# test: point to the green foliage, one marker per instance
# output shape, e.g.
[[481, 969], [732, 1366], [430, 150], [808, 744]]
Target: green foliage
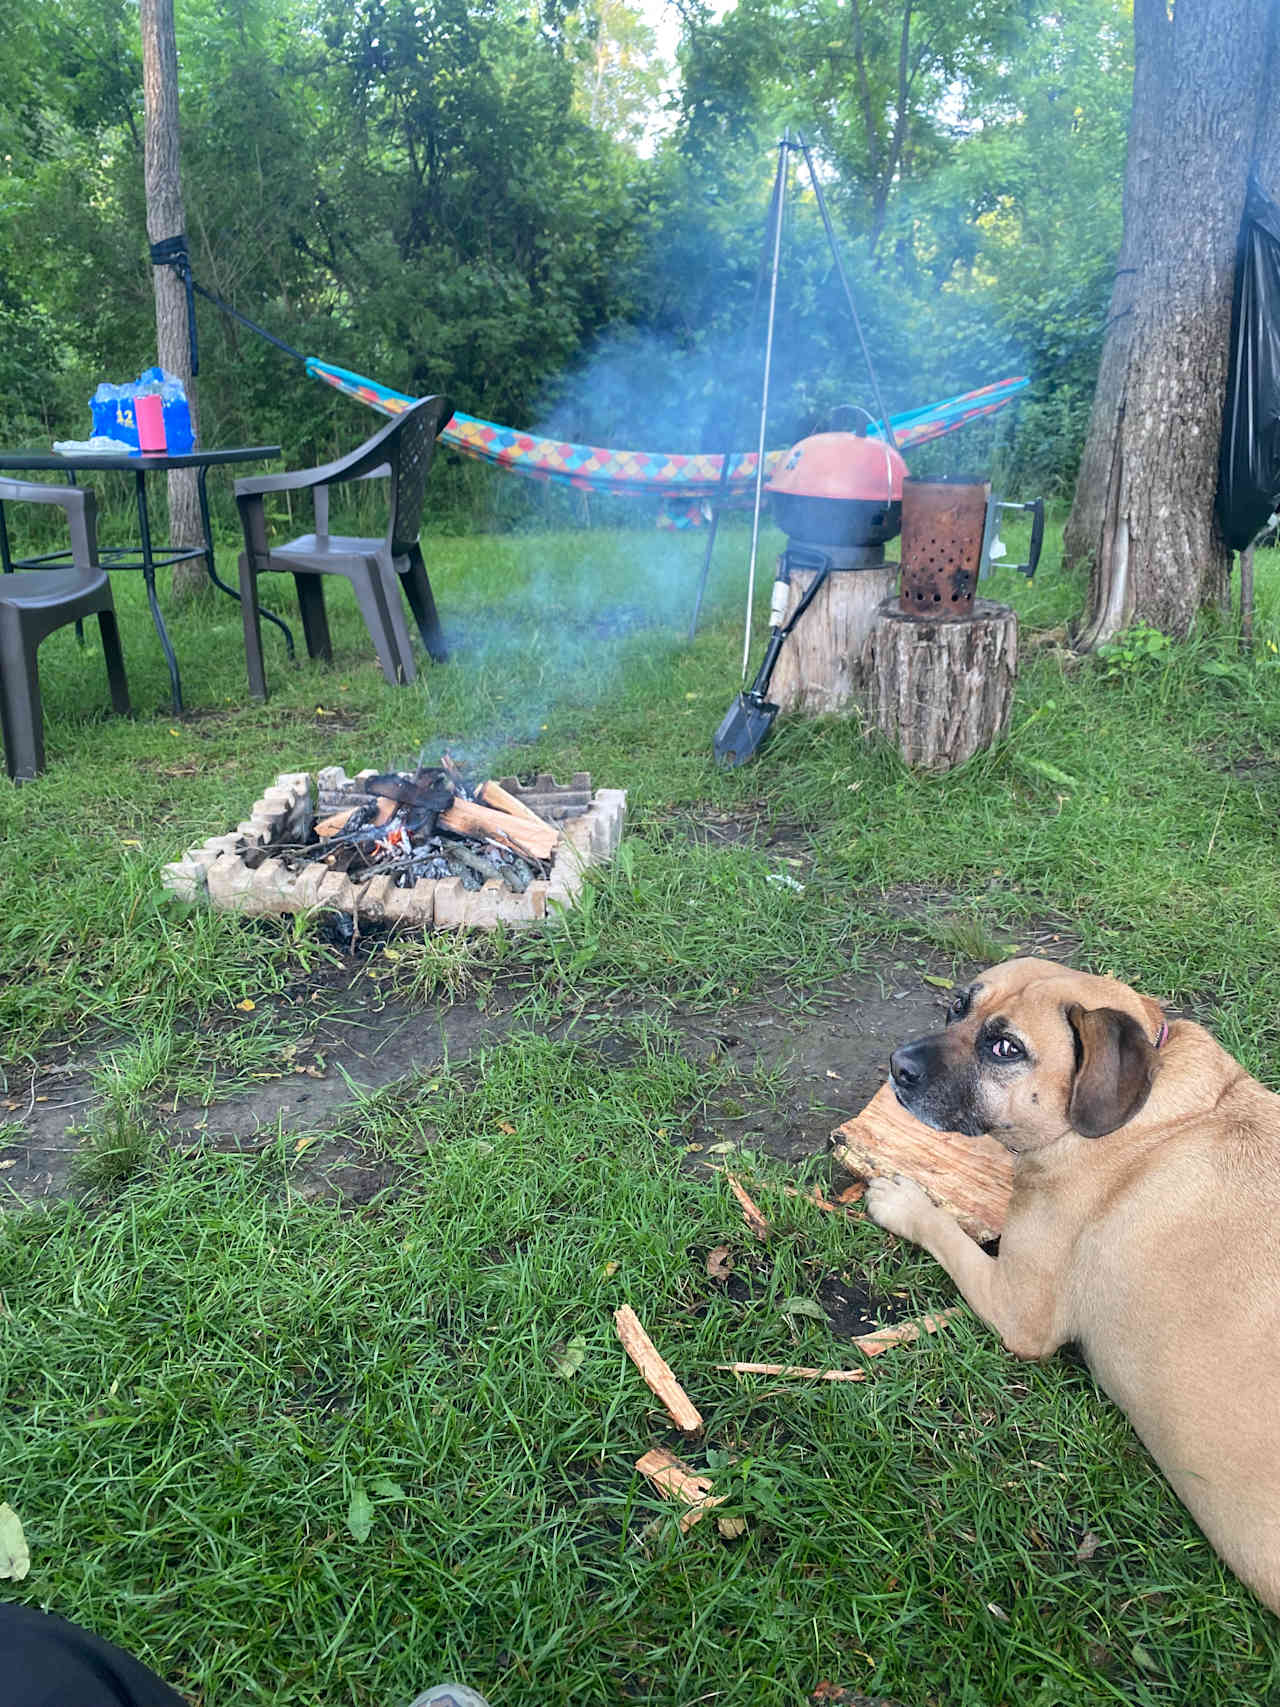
[[1134, 651], [467, 195]]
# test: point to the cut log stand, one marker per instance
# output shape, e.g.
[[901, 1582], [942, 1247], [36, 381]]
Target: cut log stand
[[941, 691]]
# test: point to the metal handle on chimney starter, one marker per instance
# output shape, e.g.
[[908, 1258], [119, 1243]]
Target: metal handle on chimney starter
[[1036, 507]]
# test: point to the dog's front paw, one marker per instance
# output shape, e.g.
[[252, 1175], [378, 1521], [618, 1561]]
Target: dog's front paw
[[897, 1204]]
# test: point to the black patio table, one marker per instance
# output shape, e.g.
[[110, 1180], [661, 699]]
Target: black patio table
[[71, 463]]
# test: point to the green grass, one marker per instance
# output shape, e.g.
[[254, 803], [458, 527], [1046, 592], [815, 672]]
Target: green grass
[[208, 1374]]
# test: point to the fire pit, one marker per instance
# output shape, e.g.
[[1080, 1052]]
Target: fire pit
[[421, 848]]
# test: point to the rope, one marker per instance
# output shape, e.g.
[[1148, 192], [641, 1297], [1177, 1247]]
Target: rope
[[172, 252]]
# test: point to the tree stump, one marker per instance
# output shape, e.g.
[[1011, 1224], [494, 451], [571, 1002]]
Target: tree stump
[[820, 669], [941, 691]]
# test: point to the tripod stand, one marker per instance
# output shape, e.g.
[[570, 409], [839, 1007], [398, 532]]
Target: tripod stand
[[770, 263]]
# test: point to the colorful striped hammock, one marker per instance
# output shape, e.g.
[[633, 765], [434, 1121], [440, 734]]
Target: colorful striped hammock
[[647, 474]]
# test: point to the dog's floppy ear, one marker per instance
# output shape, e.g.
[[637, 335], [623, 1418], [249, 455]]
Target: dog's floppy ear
[[1114, 1067]]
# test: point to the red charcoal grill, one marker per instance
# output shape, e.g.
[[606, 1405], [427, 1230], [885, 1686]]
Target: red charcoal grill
[[838, 498]]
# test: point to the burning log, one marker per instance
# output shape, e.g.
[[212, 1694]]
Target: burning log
[[421, 825], [527, 836], [335, 822]]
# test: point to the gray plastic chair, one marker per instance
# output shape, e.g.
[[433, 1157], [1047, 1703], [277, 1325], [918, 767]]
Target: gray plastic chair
[[33, 603], [376, 568]]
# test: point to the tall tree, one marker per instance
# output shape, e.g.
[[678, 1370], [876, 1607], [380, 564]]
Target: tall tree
[[1205, 79], [165, 218]]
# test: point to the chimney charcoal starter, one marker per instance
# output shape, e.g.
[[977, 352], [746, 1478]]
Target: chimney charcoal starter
[[943, 522]]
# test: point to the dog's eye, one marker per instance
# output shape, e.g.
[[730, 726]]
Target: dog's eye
[[1006, 1049], [960, 1006]]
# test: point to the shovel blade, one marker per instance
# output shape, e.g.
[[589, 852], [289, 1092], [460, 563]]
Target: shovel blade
[[746, 723]]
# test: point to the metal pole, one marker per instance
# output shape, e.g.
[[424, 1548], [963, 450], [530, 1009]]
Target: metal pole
[[784, 148], [848, 293], [730, 450]]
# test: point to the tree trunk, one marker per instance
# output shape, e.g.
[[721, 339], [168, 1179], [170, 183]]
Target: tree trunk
[[1143, 516], [165, 219]]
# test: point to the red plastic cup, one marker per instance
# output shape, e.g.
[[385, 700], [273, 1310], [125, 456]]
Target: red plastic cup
[[149, 414]]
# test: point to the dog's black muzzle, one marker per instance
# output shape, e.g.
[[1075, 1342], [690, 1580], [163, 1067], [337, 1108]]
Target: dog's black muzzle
[[914, 1064], [930, 1084]]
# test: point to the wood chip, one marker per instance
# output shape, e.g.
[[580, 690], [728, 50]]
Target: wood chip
[[750, 1209], [677, 1481], [902, 1333], [970, 1178], [833, 1206], [656, 1371]]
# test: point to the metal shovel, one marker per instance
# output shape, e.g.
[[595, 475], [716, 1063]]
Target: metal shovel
[[750, 718]]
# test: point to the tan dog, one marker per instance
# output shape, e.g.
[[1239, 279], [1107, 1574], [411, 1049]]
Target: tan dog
[[1144, 1223]]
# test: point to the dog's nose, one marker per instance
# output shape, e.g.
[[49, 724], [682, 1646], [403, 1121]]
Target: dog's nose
[[907, 1065]]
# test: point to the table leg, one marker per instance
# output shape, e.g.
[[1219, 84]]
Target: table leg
[[6, 561], [149, 576], [283, 626]]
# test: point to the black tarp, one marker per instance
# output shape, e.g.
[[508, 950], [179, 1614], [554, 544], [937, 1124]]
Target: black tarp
[[1249, 466]]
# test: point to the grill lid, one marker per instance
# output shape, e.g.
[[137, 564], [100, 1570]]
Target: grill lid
[[841, 466]]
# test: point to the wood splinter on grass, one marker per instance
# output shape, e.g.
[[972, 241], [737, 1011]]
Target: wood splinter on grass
[[903, 1332], [656, 1371], [794, 1370], [750, 1209], [870, 1344], [674, 1478], [833, 1205]]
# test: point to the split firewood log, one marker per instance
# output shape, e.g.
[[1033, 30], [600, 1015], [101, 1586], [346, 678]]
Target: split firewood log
[[970, 1178], [493, 794], [336, 821], [534, 840]]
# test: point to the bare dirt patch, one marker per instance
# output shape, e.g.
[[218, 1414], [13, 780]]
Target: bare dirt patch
[[795, 1073]]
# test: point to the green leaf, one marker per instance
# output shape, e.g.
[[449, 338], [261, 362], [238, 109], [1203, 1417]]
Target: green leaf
[[566, 1360], [938, 983], [359, 1514], [1050, 772], [386, 1489], [803, 1307], [15, 1556]]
